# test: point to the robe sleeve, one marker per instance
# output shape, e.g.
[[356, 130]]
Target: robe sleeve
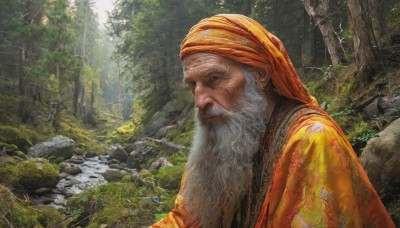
[[175, 218], [178, 216], [319, 182]]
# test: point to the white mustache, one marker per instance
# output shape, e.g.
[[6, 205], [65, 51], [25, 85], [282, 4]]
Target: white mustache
[[215, 110]]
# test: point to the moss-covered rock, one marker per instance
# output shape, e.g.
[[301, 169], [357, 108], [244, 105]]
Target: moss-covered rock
[[114, 175], [170, 177], [10, 136], [37, 173], [8, 170], [85, 139]]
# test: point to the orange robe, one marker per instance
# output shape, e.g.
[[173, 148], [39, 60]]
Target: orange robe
[[317, 182]]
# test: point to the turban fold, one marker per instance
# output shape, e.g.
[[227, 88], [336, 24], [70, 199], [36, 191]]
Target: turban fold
[[244, 40]]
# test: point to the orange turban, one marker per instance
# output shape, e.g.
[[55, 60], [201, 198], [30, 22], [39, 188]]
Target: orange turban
[[244, 40]]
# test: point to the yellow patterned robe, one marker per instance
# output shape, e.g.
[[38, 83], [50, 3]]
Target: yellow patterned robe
[[317, 182]]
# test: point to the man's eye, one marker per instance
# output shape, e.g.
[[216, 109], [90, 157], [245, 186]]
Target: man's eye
[[214, 79], [191, 84]]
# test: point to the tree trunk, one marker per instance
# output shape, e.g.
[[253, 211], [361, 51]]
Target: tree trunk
[[77, 87], [364, 55], [247, 7], [22, 86], [319, 14], [377, 19], [313, 41]]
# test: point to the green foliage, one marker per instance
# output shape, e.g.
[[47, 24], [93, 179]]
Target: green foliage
[[15, 212], [365, 136], [393, 20], [86, 141], [14, 136], [170, 177], [344, 112], [8, 171], [122, 134], [50, 217], [116, 204]]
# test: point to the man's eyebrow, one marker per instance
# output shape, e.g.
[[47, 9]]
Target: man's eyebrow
[[210, 71], [213, 70]]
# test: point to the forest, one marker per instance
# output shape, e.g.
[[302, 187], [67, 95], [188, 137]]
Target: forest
[[96, 124]]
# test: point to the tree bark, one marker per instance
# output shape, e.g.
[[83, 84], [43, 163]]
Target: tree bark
[[319, 14], [364, 55], [22, 86], [377, 19]]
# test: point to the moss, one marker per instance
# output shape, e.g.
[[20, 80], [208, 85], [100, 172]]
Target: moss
[[19, 213], [179, 157], [8, 170], [116, 205], [9, 147], [182, 135], [11, 135], [170, 177], [335, 89], [7, 175], [36, 173], [122, 134], [50, 217], [85, 139]]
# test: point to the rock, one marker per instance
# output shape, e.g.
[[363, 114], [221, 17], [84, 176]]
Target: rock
[[59, 147], [63, 175], [90, 154], [160, 162], [43, 191], [119, 153], [43, 200], [148, 149], [381, 159], [168, 114], [114, 162], [324, 105], [72, 169], [388, 105], [61, 202], [114, 175], [36, 173], [76, 160], [161, 132]]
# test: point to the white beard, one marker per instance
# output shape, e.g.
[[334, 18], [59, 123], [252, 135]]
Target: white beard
[[219, 168]]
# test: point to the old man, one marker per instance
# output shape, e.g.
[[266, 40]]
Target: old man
[[264, 154]]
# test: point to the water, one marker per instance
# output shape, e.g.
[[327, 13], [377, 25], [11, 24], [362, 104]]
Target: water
[[69, 185]]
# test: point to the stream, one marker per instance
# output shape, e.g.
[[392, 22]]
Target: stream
[[91, 175]]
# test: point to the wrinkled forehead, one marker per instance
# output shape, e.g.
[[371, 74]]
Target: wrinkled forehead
[[199, 58]]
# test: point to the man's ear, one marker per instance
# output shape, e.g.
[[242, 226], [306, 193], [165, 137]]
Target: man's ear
[[262, 78]]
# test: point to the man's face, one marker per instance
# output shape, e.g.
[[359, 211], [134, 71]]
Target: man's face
[[215, 82]]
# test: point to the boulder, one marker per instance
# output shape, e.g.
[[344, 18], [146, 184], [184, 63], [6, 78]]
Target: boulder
[[37, 173], [114, 174], [388, 105], [119, 153], [160, 162], [168, 114], [381, 159], [57, 148], [147, 150], [70, 169]]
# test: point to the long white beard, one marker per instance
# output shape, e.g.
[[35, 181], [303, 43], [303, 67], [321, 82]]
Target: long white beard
[[219, 168]]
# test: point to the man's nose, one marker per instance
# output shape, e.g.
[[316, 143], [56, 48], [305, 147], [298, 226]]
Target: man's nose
[[202, 97]]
